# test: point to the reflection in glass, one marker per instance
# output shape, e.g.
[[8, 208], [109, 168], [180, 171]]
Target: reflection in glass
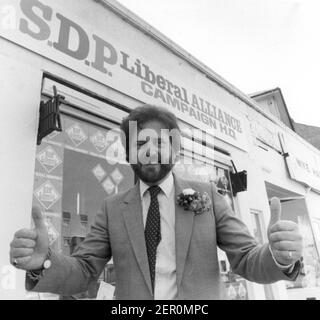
[[72, 177]]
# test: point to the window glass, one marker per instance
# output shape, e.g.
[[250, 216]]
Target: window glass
[[72, 177], [192, 168], [309, 278], [200, 170]]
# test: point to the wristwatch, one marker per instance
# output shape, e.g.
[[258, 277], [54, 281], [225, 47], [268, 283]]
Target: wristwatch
[[36, 275]]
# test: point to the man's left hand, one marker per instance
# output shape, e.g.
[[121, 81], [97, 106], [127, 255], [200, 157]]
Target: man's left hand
[[284, 237]]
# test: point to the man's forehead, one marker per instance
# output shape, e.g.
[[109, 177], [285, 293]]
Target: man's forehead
[[152, 124], [152, 129], [147, 133]]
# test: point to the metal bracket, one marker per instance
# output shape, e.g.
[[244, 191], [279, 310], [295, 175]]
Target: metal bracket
[[49, 119]]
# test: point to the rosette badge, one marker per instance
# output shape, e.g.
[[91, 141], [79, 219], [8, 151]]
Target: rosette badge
[[192, 200]]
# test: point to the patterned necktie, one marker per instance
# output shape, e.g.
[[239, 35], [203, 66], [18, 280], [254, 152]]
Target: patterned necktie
[[152, 231]]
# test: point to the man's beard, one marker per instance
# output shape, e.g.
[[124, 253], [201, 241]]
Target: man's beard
[[152, 173]]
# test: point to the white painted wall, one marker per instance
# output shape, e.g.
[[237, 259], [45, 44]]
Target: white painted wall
[[20, 95], [20, 88]]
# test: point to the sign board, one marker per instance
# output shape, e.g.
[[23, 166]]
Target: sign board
[[48, 158], [264, 131], [303, 162], [47, 194], [63, 34]]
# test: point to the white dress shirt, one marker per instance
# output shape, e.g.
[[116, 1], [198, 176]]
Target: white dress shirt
[[165, 277]]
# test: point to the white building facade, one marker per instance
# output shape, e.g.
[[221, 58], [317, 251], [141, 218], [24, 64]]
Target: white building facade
[[105, 61]]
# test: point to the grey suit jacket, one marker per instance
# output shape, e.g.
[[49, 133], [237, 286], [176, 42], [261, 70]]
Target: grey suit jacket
[[118, 232]]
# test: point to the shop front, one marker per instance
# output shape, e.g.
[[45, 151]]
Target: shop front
[[288, 165], [74, 172], [82, 53], [303, 162]]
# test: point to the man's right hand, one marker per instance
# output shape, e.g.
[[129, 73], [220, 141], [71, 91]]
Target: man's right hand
[[29, 247]]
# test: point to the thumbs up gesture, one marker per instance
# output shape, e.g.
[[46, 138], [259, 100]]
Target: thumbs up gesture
[[284, 237], [29, 247]]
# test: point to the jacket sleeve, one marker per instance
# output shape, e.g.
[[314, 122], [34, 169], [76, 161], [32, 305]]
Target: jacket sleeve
[[72, 274], [247, 258]]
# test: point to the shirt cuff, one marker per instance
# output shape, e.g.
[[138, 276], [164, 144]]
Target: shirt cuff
[[287, 268]]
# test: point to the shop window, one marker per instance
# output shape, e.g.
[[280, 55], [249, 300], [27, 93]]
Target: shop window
[[206, 170], [73, 176], [311, 270], [295, 209], [193, 166]]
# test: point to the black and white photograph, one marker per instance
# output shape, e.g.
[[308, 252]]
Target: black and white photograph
[[159, 150]]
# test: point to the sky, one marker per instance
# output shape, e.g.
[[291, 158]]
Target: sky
[[255, 45]]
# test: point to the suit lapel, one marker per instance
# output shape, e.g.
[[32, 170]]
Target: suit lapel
[[183, 228], [134, 224]]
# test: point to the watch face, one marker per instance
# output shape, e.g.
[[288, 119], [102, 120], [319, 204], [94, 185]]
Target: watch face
[[47, 264]]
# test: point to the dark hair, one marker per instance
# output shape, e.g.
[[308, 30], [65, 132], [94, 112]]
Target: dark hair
[[145, 113]]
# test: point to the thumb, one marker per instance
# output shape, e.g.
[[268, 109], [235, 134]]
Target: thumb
[[38, 218], [275, 208]]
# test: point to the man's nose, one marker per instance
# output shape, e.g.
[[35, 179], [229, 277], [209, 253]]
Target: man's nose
[[152, 153]]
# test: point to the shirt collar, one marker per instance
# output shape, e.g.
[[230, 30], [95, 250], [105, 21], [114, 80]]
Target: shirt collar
[[166, 186]]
